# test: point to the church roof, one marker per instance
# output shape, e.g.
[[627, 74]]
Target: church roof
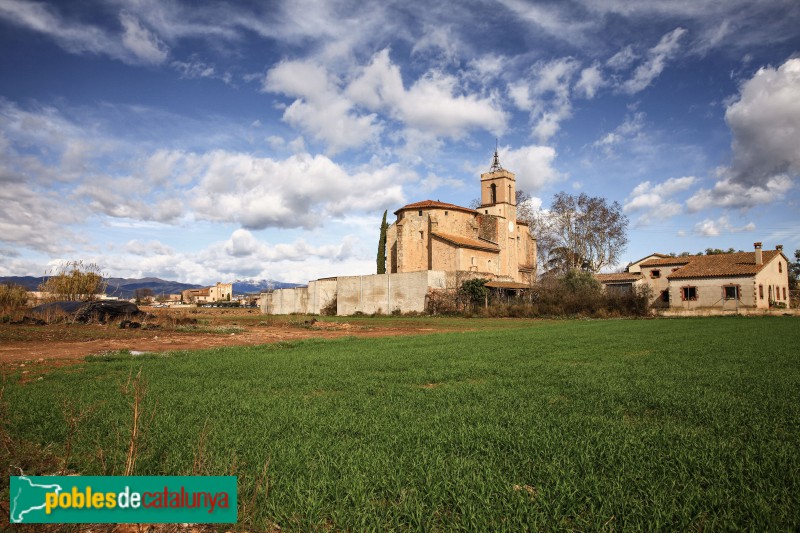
[[434, 204], [465, 242]]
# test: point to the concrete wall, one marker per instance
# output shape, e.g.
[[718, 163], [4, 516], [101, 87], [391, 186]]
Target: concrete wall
[[302, 300], [384, 293]]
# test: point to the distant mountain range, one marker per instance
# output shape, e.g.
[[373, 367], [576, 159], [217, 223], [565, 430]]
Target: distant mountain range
[[126, 287]]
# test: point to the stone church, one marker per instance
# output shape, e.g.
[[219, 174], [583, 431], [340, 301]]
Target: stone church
[[489, 240], [432, 246]]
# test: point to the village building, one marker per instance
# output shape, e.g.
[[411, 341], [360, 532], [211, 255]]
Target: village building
[[221, 292], [728, 282], [431, 246]]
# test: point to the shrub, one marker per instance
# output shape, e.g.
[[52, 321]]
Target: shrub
[[13, 299], [74, 281]]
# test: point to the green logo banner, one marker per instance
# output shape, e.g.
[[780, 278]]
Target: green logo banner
[[122, 500]]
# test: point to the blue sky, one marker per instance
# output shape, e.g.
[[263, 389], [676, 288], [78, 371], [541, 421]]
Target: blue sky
[[211, 141]]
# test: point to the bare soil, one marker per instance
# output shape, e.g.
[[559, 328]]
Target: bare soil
[[168, 331]]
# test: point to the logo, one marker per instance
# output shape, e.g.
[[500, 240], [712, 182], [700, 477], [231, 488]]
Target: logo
[[122, 500]]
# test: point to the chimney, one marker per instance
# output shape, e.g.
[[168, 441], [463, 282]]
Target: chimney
[[779, 248], [759, 257]]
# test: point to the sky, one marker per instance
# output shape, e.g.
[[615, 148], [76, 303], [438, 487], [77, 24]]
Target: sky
[[214, 141]]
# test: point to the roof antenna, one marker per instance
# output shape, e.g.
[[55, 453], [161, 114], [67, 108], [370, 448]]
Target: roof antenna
[[496, 160]]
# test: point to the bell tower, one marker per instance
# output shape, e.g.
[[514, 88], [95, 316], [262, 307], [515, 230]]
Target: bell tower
[[499, 191]]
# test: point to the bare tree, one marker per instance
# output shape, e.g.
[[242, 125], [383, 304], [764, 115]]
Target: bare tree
[[580, 233]]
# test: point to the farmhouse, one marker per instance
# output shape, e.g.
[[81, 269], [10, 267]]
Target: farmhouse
[[757, 280], [217, 293], [431, 246]]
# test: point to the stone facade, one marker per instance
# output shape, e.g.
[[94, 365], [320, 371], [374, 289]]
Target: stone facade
[[490, 241]]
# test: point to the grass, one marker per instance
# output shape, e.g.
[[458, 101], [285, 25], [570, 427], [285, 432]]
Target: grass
[[576, 425]]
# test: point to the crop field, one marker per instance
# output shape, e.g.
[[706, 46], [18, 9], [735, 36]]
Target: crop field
[[682, 424]]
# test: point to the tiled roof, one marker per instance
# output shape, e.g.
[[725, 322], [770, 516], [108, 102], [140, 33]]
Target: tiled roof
[[465, 242], [712, 266], [427, 204], [621, 277]]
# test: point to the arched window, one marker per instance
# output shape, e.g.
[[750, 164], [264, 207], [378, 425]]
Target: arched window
[[493, 192]]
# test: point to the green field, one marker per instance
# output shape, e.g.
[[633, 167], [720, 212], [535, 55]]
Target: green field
[[576, 425]]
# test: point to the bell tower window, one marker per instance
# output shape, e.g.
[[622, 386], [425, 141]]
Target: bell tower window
[[493, 193]]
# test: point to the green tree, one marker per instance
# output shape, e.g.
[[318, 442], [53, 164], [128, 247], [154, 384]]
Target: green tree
[[474, 290], [382, 246], [794, 270]]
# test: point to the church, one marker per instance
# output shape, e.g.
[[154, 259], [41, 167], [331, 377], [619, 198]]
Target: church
[[488, 240], [432, 246]]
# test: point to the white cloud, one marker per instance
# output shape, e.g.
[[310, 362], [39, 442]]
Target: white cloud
[[630, 129], [715, 228], [146, 46], [656, 61], [655, 200], [765, 122], [590, 81], [432, 104], [728, 194], [320, 109], [300, 191], [149, 248], [622, 59], [533, 166], [547, 95]]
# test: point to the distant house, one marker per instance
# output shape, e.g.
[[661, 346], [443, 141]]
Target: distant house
[[220, 292], [757, 279]]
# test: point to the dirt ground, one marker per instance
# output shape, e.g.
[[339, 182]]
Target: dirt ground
[[208, 328]]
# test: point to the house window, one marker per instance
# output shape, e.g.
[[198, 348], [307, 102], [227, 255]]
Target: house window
[[445, 213], [655, 274], [730, 292], [665, 296], [760, 292], [784, 293], [420, 212], [688, 293], [421, 235], [780, 267]]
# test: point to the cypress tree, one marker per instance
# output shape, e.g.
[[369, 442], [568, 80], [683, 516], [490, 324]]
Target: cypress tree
[[382, 246]]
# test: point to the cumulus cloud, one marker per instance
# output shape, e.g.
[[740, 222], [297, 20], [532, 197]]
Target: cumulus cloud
[[655, 200], [656, 61], [149, 248], [590, 81], [320, 109], [533, 166], [299, 191], [729, 194], [432, 104], [765, 122], [715, 228]]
